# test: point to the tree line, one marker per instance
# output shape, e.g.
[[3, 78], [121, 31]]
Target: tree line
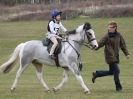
[[15, 2]]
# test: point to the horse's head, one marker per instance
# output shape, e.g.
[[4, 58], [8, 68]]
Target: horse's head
[[89, 35], [84, 33]]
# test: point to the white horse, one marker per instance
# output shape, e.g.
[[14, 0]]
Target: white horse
[[34, 52]]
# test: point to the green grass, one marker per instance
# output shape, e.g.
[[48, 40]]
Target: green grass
[[13, 33]]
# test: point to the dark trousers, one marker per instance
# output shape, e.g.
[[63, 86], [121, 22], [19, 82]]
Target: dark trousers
[[113, 70]]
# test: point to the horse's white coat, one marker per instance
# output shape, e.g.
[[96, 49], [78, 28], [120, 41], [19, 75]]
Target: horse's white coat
[[34, 50]]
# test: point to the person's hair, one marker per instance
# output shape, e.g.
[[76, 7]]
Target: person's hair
[[113, 23]]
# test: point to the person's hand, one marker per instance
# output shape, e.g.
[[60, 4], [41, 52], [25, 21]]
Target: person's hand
[[96, 48], [128, 56], [67, 32]]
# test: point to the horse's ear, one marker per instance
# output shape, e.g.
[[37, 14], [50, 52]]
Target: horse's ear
[[87, 26]]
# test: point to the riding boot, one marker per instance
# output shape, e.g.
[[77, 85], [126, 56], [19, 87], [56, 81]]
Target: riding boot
[[51, 55], [94, 76]]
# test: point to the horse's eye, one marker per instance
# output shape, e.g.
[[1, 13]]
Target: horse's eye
[[89, 33]]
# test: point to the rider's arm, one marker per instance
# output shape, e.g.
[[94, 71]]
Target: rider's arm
[[62, 27]]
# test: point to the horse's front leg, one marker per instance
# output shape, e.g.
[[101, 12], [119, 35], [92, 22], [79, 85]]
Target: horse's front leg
[[64, 80], [74, 68]]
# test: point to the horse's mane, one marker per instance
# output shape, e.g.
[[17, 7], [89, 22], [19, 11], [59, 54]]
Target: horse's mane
[[85, 26], [72, 32], [76, 30]]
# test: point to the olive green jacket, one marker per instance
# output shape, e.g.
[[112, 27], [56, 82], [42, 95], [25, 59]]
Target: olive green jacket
[[112, 47]]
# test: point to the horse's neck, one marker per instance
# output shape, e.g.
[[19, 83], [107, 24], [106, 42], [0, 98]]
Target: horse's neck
[[75, 37], [75, 41], [78, 35]]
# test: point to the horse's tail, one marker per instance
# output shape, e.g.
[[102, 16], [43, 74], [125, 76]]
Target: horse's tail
[[7, 66]]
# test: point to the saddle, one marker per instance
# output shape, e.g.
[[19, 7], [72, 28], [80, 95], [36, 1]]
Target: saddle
[[47, 42]]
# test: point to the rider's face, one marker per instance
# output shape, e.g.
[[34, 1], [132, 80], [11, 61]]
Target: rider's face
[[58, 17]]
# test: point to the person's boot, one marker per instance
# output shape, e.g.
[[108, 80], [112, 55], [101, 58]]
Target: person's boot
[[94, 77], [119, 89]]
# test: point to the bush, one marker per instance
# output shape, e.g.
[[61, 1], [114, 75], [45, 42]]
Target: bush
[[114, 11], [70, 10]]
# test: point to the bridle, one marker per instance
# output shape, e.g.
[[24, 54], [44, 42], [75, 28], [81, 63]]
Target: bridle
[[89, 37], [87, 44]]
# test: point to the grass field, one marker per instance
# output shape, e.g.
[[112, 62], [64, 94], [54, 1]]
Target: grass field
[[13, 33]]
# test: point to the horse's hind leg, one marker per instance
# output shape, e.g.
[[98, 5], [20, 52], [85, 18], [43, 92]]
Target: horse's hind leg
[[64, 80], [40, 75], [23, 65]]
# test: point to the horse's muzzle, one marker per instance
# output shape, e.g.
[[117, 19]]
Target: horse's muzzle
[[94, 47]]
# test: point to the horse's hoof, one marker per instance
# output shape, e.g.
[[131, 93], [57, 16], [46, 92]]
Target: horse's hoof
[[87, 92], [48, 91], [55, 90], [12, 89]]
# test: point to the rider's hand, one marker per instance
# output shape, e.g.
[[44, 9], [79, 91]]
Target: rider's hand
[[67, 32]]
